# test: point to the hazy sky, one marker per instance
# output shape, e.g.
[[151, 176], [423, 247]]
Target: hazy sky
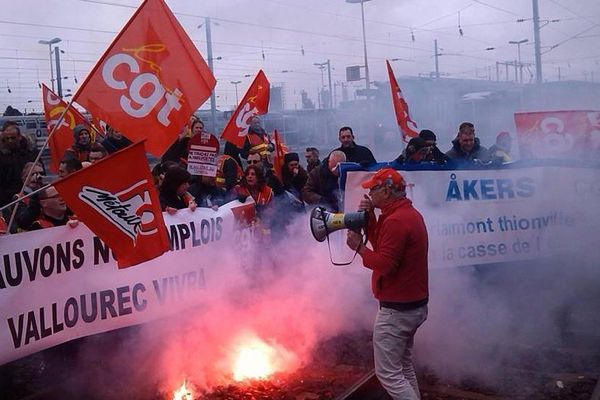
[[293, 35]]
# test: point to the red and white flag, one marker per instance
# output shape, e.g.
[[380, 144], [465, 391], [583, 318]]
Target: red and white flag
[[407, 126], [62, 138], [278, 157], [255, 102], [150, 80], [116, 198], [557, 134]]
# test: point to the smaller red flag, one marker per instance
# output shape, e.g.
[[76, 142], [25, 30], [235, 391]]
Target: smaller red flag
[[280, 151], [255, 102], [62, 138], [117, 200], [407, 126]]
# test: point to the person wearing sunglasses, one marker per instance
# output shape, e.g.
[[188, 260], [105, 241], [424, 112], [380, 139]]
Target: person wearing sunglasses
[[256, 159], [53, 211]]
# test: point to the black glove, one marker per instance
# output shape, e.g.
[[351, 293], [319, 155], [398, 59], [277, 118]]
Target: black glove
[[242, 198]]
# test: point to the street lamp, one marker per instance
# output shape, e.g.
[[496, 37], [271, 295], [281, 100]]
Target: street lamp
[[362, 13], [236, 92], [50, 43], [519, 43]]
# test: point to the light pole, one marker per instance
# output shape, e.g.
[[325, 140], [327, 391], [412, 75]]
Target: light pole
[[519, 43], [362, 13], [236, 92], [320, 94], [50, 43], [213, 99], [322, 66]]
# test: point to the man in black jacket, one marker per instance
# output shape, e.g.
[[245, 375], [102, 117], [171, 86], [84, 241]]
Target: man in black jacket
[[354, 152], [434, 154], [15, 152]]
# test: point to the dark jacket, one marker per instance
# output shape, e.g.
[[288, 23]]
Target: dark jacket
[[207, 196], [171, 199], [312, 165], [479, 152], [113, 145], [12, 162], [177, 152], [294, 184], [434, 156], [273, 182], [322, 188], [358, 154]]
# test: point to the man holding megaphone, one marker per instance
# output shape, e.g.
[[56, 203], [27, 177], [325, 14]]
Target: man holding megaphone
[[399, 279]]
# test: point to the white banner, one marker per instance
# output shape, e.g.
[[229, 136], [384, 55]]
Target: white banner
[[62, 283], [487, 216]]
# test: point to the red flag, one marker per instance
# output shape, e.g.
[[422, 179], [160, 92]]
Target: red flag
[[280, 151], [557, 134], [255, 102], [117, 200], [150, 80], [407, 126], [62, 138], [99, 125]]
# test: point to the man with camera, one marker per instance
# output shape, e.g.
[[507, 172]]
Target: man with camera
[[399, 278]]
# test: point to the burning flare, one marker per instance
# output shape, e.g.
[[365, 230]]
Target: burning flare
[[255, 360], [183, 393]]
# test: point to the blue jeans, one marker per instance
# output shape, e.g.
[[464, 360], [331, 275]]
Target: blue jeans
[[393, 337]]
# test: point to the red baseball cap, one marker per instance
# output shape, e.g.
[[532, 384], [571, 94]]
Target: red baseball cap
[[382, 176]]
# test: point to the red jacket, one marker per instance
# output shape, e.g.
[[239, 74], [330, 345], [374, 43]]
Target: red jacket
[[399, 255]]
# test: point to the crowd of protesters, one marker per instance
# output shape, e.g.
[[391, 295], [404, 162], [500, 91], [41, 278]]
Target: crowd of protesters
[[242, 173]]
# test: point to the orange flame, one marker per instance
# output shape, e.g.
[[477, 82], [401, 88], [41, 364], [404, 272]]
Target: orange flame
[[183, 393]]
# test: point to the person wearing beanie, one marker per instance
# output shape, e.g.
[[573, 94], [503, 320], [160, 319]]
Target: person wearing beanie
[[294, 176], [414, 153], [434, 155], [82, 143]]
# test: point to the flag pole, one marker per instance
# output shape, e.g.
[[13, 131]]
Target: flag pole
[[30, 172], [25, 196]]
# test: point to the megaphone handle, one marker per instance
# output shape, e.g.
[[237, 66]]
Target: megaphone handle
[[353, 257]]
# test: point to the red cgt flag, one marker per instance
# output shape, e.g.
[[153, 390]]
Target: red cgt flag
[[557, 134], [280, 151], [62, 138], [117, 200], [150, 80], [255, 102], [407, 126]]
